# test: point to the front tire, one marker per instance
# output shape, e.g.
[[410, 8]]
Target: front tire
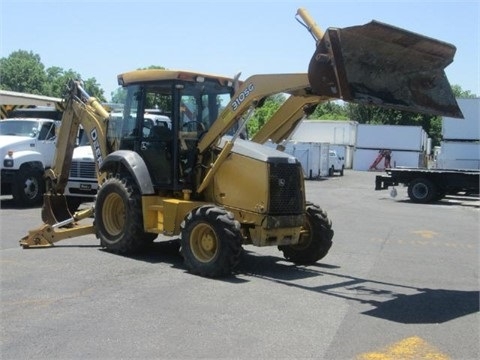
[[315, 243], [29, 187], [211, 242], [118, 216]]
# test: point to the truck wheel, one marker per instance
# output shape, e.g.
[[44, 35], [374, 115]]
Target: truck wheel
[[118, 216], [315, 243], [422, 191], [211, 241], [331, 171], [29, 187], [342, 171]]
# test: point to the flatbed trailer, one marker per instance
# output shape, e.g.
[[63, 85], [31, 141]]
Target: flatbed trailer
[[428, 185]]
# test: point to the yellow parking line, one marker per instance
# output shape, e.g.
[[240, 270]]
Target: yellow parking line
[[407, 349]]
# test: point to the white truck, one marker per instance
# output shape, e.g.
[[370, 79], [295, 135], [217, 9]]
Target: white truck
[[27, 146], [336, 163], [82, 183]]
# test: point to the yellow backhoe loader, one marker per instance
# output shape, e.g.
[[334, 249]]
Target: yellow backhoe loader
[[201, 179]]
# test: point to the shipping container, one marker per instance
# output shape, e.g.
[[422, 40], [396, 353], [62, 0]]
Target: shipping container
[[467, 128], [326, 131], [458, 155], [312, 156], [393, 137]]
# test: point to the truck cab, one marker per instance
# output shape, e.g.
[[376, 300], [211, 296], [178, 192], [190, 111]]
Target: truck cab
[[27, 146]]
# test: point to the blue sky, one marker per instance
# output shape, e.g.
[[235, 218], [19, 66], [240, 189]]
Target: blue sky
[[102, 39]]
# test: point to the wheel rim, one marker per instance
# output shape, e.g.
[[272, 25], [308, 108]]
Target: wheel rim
[[420, 191], [204, 242], [31, 188], [113, 214]]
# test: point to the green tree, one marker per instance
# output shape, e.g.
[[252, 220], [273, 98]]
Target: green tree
[[118, 96], [460, 93], [93, 89], [57, 81], [23, 71], [330, 110], [264, 113]]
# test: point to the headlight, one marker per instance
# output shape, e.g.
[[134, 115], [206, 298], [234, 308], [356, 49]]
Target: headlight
[[8, 162]]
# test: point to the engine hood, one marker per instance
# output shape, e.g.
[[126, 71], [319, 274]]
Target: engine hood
[[258, 151], [84, 153], [15, 143]]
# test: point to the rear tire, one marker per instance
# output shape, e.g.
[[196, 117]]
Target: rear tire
[[331, 171], [315, 244], [118, 216], [211, 242], [422, 191]]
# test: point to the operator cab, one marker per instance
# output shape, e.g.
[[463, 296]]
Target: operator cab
[[165, 114]]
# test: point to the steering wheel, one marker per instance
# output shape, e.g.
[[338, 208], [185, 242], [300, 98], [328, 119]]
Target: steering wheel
[[189, 125]]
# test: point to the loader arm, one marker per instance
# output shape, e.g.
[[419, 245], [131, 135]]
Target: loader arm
[[285, 120], [252, 91], [373, 64]]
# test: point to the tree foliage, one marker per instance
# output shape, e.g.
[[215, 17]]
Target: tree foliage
[[23, 71], [263, 113], [368, 114]]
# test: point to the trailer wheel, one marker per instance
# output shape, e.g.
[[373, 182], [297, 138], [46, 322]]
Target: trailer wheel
[[422, 191], [29, 187], [211, 241], [118, 216], [315, 243]]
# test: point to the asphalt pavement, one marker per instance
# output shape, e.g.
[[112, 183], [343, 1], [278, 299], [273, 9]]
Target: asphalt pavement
[[400, 282]]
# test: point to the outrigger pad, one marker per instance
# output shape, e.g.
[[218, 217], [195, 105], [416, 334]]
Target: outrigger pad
[[386, 66]]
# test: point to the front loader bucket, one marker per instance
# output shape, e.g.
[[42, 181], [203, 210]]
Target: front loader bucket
[[386, 66]]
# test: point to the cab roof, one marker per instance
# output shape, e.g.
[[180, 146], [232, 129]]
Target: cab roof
[[139, 76]]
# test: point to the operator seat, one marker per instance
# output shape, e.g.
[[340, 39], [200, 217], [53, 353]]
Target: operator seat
[[158, 154]]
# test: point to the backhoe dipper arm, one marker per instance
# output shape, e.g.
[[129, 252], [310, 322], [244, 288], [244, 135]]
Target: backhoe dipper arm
[[80, 109]]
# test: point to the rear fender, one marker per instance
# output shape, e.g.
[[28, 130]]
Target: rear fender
[[133, 164]]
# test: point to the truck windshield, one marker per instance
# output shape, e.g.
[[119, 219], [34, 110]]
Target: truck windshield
[[19, 128]]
